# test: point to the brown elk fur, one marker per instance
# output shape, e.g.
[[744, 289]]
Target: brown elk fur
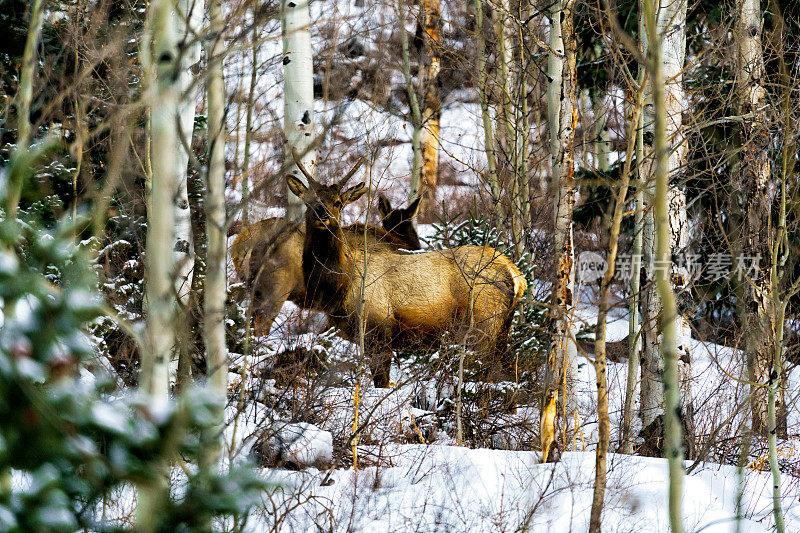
[[268, 256], [410, 298]]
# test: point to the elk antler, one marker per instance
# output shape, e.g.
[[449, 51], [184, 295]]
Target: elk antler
[[352, 171], [303, 169]]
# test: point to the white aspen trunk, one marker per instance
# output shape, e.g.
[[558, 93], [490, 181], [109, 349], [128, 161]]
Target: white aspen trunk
[[666, 100], [515, 105], [215, 290], [555, 69], [431, 104], [772, 396], [508, 113], [416, 113], [188, 20], [298, 97], [521, 120], [159, 290], [602, 142], [562, 114], [671, 28], [160, 293], [779, 255], [488, 132], [753, 202], [248, 134]]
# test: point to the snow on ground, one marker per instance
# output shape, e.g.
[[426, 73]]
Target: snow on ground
[[441, 487], [450, 488]]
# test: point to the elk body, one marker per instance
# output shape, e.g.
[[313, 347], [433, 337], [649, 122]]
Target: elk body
[[409, 298], [268, 256]]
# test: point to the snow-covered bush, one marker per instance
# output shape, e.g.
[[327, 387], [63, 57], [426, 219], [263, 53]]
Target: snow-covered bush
[[120, 267], [65, 441]]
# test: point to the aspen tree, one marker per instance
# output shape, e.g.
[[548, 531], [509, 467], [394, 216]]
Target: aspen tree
[[415, 112], [160, 293], [514, 112], [752, 201], [750, 212], [188, 19], [488, 132], [663, 230], [248, 132], [671, 28], [159, 290], [431, 98], [602, 143], [779, 256], [562, 113], [215, 290], [634, 324], [298, 97]]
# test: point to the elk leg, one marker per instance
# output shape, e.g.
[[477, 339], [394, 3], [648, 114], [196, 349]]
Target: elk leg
[[380, 365], [264, 316]]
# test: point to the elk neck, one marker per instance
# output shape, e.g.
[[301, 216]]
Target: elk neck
[[327, 268]]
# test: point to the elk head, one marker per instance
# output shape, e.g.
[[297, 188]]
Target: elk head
[[400, 221], [324, 202]]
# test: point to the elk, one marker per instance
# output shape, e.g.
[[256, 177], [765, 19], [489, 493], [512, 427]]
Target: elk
[[400, 222], [268, 256], [409, 298]]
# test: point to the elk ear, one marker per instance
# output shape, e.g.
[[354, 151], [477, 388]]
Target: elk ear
[[384, 207], [353, 193], [297, 187], [413, 207]]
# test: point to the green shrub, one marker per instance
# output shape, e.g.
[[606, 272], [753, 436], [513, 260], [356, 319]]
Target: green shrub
[[67, 439]]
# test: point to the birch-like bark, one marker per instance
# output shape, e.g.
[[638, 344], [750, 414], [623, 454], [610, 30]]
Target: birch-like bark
[[431, 103], [508, 113], [248, 133], [416, 114], [521, 119], [779, 255], [24, 97], [671, 28], [773, 387], [602, 142], [188, 19], [752, 204], [298, 103], [562, 114], [160, 293], [159, 290], [750, 214], [488, 132], [663, 104], [215, 290]]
